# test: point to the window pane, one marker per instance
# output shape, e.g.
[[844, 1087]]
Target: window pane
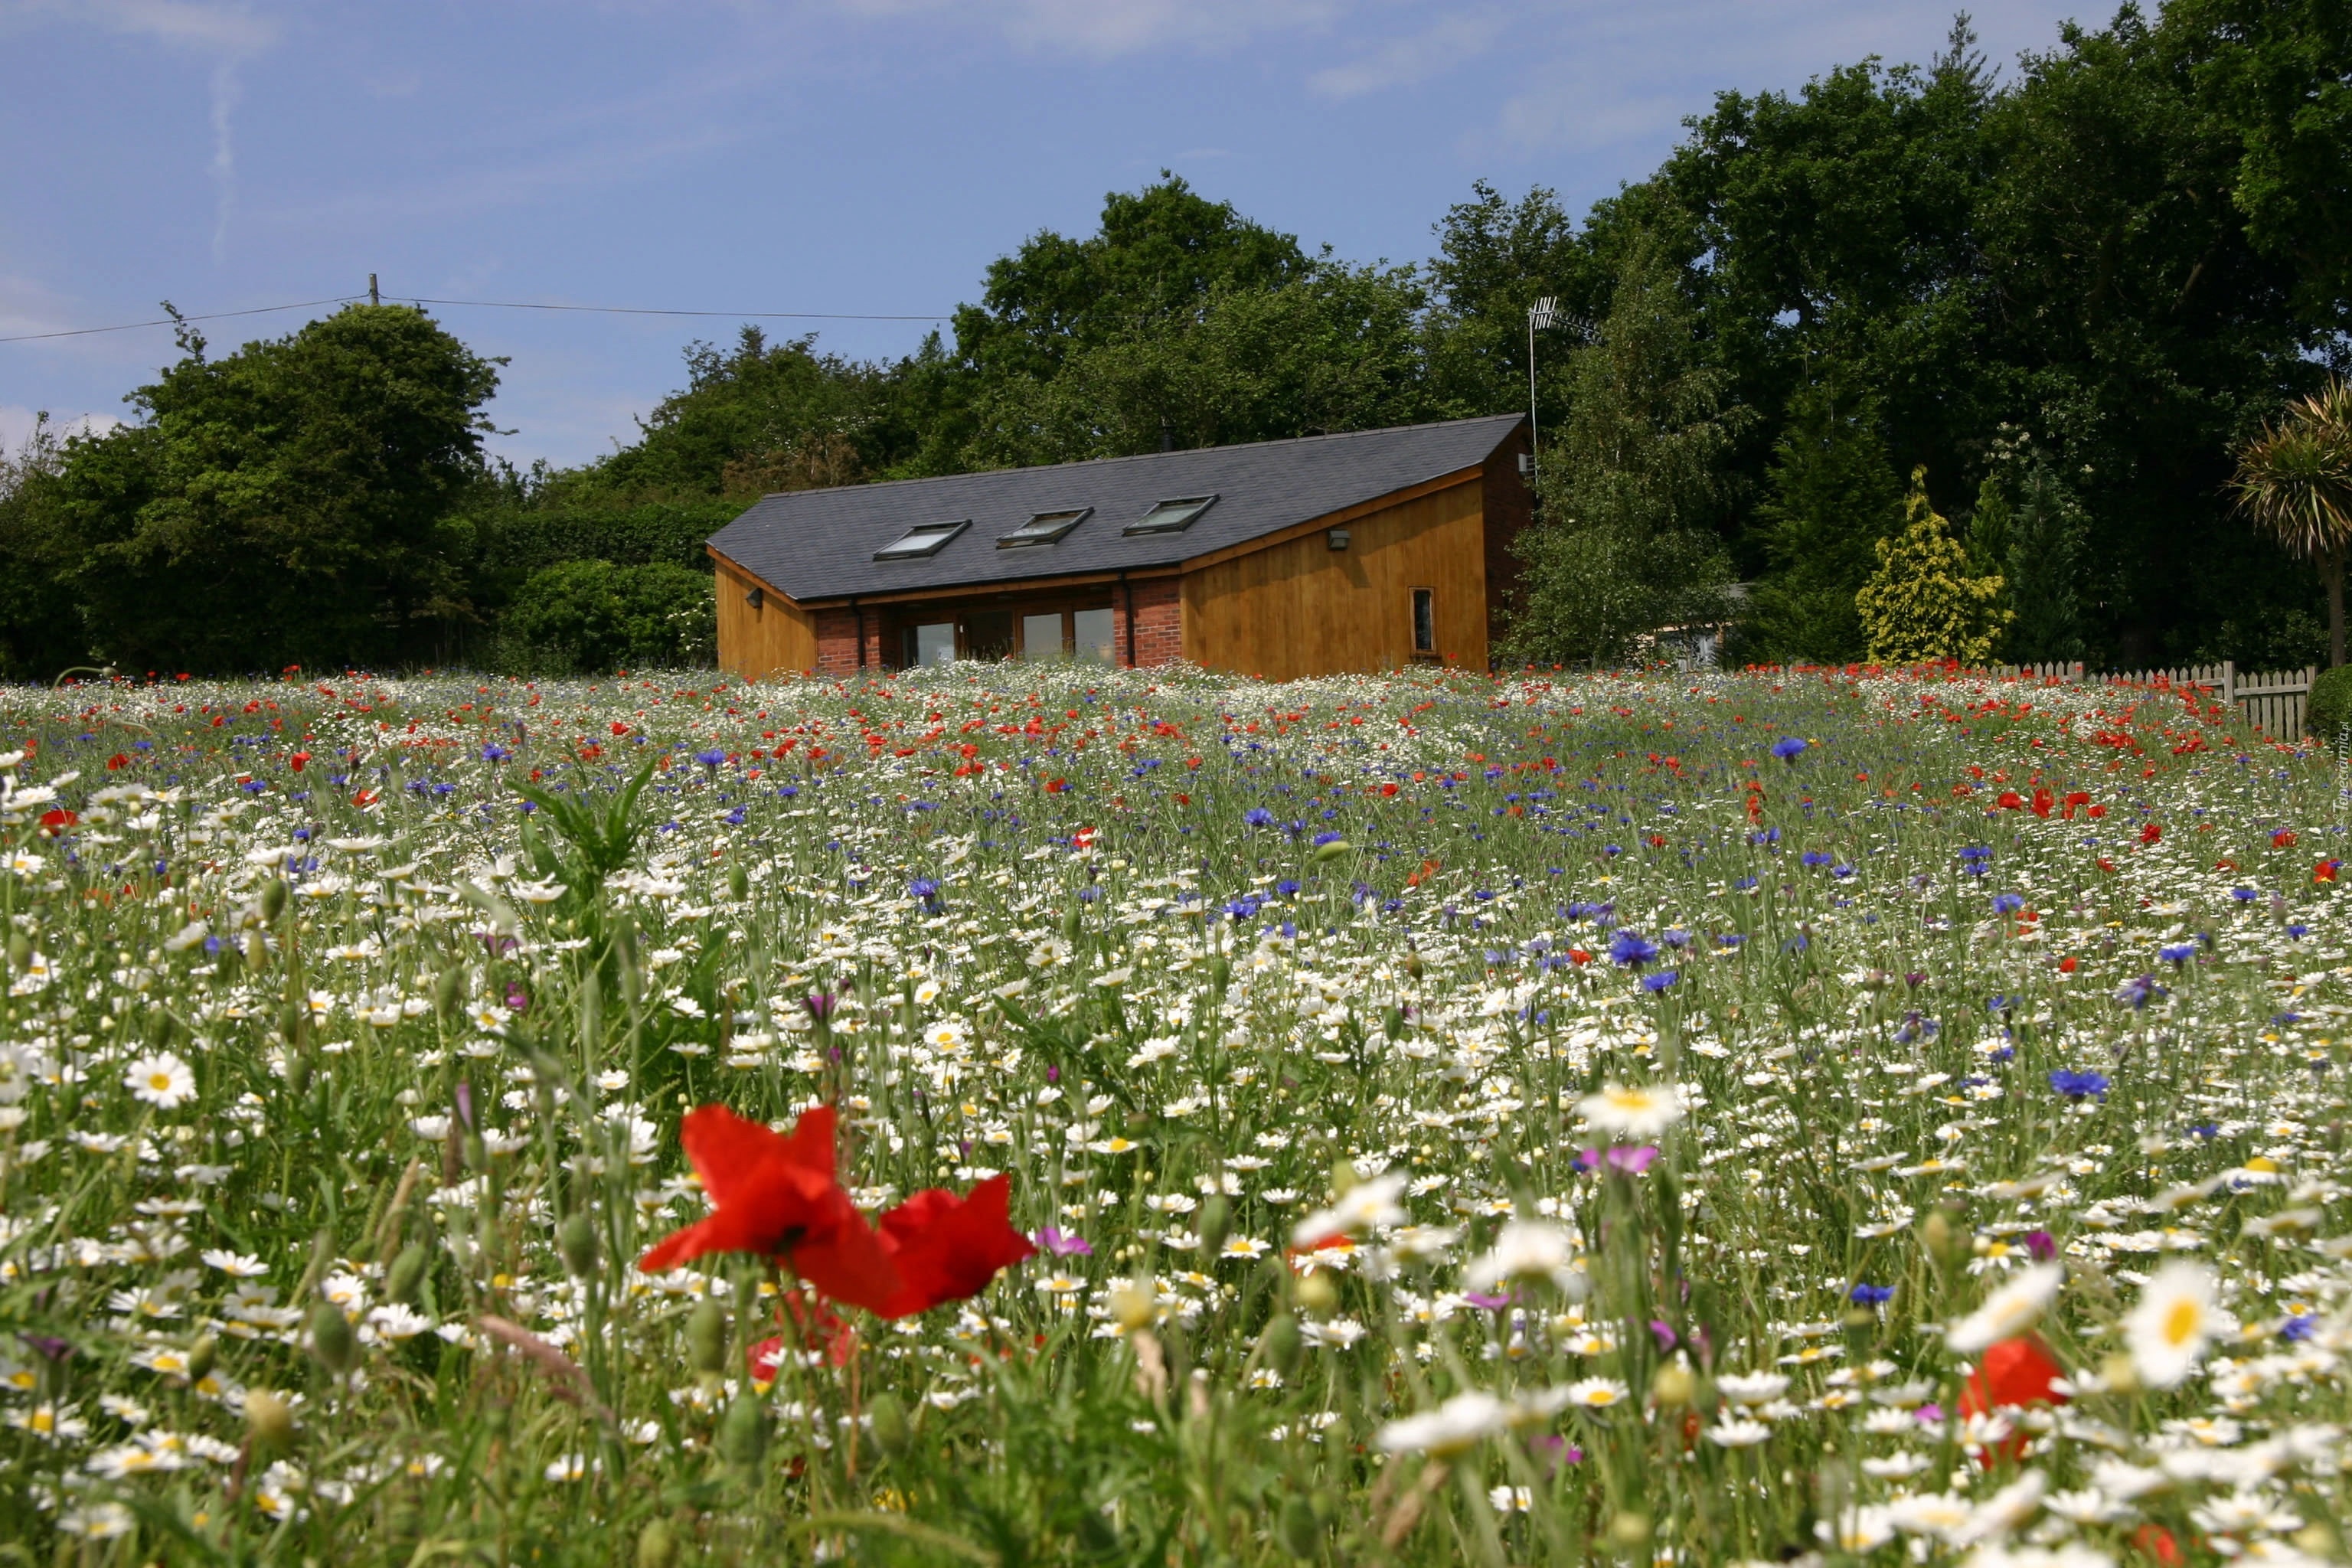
[[1095, 638], [1041, 636], [935, 644], [1425, 621]]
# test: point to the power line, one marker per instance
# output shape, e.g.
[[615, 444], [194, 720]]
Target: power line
[[175, 321], [648, 310], [479, 304]]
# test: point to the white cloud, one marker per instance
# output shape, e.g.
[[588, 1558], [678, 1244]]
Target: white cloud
[[215, 29], [1400, 62], [1107, 28]]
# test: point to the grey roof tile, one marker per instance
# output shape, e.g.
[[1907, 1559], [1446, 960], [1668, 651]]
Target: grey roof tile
[[820, 544]]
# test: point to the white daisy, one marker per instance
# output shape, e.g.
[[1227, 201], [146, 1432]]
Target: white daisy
[[2008, 1311], [162, 1080], [2175, 1318], [1639, 1111]]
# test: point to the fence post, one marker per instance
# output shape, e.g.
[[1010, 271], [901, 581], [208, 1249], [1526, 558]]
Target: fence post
[[2229, 683]]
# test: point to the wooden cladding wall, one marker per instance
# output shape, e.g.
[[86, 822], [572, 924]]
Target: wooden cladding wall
[[1301, 609], [778, 637]]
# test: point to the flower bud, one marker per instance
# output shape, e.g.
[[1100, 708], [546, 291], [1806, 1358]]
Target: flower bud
[[1279, 1345], [331, 1340], [1935, 1235], [743, 1432], [1333, 850], [1673, 1386], [273, 899], [2119, 1374], [1302, 1532], [738, 881], [1135, 1305], [576, 1239], [20, 951], [1216, 1223], [657, 1545], [268, 1418], [406, 1274], [891, 1433], [1316, 1294], [1629, 1531], [449, 991], [202, 1355], [706, 1337]]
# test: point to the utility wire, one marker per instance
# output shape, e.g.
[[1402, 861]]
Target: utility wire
[[482, 304], [173, 321]]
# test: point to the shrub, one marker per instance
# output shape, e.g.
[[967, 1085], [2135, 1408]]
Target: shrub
[[2328, 714], [1921, 605], [592, 616]]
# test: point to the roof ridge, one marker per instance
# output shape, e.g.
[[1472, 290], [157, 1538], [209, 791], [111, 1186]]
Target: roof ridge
[[1149, 457]]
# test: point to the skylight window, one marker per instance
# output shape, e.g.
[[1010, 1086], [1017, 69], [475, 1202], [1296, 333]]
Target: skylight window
[[1172, 516], [1044, 528], [922, 541]]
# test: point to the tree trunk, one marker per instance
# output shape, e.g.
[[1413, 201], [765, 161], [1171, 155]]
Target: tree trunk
[[2335, 567]]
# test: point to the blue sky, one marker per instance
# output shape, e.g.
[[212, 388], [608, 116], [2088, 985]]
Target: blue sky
[[855, 156]]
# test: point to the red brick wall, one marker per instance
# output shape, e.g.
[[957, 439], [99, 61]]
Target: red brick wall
[[836, 641], [1156, 606]]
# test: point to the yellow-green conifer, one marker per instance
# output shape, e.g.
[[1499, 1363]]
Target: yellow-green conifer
[[1921, 605]]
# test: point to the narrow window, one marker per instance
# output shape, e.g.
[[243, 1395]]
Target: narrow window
[[1091, 636], [1040, 635], [1425, 621], [1170, 516], [1044, 527]]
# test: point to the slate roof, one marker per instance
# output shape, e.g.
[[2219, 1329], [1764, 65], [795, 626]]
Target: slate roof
[[820, 544]]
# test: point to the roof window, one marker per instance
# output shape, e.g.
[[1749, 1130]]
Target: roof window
[[1172, 516], [922, 541], [1044, 528]]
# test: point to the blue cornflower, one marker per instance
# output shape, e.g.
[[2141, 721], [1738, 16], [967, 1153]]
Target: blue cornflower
[[2297, 931], [710, 758], [1257, 817], [1660, 981], [1865, 1294], [923, 888], [1286, 888], [1676, 939], [2079, 1085], [1729, 940], [2296, 1329], [1323, 839], [2177, 953], [1630, 947], [494, 752], [2007, 903], [2245, 895], [1787, 748], [1814, 857]]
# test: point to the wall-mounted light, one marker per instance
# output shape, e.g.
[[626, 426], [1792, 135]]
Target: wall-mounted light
[[1337, 539], [1526, 465], [755, 599]]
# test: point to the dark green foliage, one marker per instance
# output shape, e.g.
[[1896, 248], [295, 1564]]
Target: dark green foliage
[[592, 616], [2041, 564], [40, 633], [1832, 495], [2327, 712], [288, 504], [1624, 542]]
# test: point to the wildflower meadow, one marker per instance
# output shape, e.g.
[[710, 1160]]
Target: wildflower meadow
[[1042, 1114]]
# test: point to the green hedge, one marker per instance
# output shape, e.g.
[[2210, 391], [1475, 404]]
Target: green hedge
[[2328, 714], [515, 542], [591, 617]]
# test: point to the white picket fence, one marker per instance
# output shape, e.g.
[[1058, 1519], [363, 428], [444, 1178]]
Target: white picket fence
[[2271, 702]]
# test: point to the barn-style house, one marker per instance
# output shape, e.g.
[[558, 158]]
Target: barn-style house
[[1367, 550]]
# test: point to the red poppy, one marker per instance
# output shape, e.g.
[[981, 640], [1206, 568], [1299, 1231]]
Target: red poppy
[[117, 763], [2043, 801], [57, 820], [2150, 833], [2158, 1542], [778, 1196], [2282, 839], [2009, 800], [2013, 1372], [2068, 964], [298, 761], [2325, 870], [946, 1248]]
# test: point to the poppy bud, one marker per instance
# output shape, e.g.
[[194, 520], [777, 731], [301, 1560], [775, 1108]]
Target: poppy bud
[[743, 1432], [1279, 1345], [706, 1337], [1412, 965], [1316, 1294], [1216, 1223], [1135, 1304], [20, 951], [289, 1022], [331, 1340], [297, 1073], [657, 1545], [738, 881], [1220, 971], [268, 1418], [1333, 850], [449, 992], [891, 1433], [1673, 1386], [1935, 1235], [201, 1357], [576, 1239], [256, 951], [1302, 1533], [407, 1272], [1629, 1530], [273, 899], [1392, 1022]]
